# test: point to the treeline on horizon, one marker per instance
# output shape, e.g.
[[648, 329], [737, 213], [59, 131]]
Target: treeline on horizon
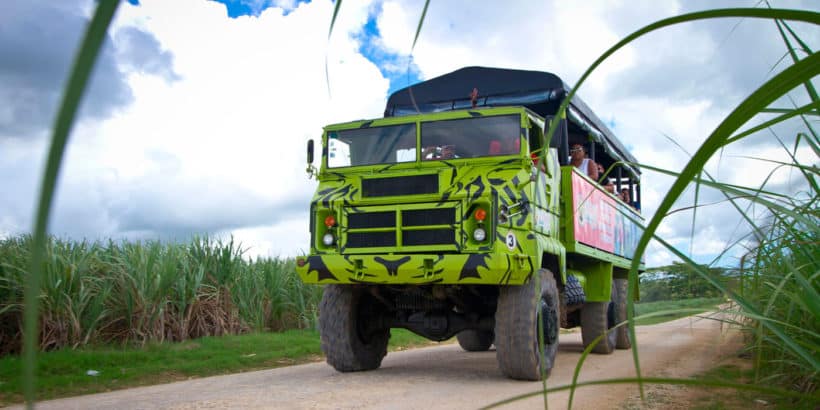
[[681, 281]]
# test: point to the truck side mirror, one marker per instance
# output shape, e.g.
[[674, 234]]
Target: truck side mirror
[[311, 170]]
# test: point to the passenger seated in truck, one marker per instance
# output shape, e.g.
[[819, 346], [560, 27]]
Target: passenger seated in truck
[[511, 145], [601, 173], [627, 199], [439, 152], [495, 148], [579, 160], [609, 186], [505, 146]]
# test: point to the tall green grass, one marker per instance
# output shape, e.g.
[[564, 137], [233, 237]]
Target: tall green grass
[[782, 281], [139, 292]]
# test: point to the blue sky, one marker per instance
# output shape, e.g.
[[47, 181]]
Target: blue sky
[[238, 8], [392, 65], [402, 74]]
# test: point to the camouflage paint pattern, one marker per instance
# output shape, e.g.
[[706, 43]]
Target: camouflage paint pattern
[[379, 239], [374, 238]]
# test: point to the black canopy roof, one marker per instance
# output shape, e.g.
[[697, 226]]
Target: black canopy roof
[[539, 91]]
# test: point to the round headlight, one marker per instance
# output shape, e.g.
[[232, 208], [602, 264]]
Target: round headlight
[[479, 234], [328, 239]]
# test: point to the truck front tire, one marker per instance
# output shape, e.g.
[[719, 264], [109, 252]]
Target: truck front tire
[[348, 338], [520, 309]]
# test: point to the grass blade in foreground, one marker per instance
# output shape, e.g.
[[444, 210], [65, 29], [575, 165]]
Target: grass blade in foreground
[[761, 98], [80, 73], [785, 81], [799, 73]]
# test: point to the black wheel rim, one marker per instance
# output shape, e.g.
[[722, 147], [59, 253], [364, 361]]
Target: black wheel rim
[[549, 322], [611, 335], [610, 315]]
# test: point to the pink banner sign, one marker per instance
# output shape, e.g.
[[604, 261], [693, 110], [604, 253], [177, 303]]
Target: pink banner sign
[[601, 221]]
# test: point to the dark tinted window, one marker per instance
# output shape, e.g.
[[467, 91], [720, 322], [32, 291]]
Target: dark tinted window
[[375, 145], [472, 137]]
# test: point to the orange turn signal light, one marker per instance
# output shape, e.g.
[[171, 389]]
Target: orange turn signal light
[[330, 221], [480, 215]]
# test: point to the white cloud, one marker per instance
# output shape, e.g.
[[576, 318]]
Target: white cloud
[[287, 238], [657, 255], [223, 147], [253, 90]]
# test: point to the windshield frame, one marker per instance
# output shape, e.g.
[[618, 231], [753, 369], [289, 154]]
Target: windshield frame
[[417, 121], [372, 143]]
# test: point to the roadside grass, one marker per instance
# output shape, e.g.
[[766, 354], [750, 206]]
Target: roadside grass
[[737, 369], [742, 370], [672, 308], [63, 373]]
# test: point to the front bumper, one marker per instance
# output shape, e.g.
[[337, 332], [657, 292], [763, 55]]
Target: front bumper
[[406, 269]]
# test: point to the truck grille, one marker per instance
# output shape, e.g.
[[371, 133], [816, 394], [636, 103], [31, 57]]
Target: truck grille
[[371, 239], [401, 228], [427, 237], [421, 217], [372, 220], [410, 185]]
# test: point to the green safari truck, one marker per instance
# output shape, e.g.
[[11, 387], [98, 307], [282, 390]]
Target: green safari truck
[[454, 216]]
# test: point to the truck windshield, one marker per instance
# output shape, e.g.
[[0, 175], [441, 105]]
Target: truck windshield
[[375, 145], [440, 140], [471, 137]]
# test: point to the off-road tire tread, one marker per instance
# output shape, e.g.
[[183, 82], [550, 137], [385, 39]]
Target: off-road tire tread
[[594, 322], [621, 287], [340, 342], [515, 328], [574, 291]]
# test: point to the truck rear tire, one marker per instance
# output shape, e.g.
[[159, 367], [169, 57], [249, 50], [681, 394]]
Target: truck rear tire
[[348, 339], [596, 320], [620, 289], [475, 340], [520, 309]]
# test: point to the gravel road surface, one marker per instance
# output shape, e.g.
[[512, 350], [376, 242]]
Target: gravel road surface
[[438, 377]]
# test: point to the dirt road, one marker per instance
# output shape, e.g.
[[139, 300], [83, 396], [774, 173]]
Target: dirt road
[[440, 377]]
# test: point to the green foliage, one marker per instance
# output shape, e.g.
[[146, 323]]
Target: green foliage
[[666, 310], [149, 292], [680, 281], [783, 281]]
